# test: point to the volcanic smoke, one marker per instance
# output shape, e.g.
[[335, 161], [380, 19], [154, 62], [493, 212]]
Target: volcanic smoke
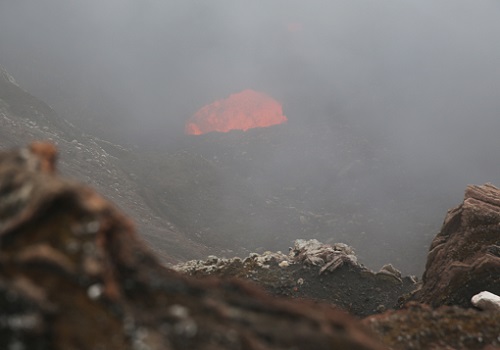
[[242, 111]]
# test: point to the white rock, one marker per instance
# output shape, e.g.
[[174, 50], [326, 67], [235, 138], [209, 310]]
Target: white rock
[[284, 263], [95, 291], [486, 301]]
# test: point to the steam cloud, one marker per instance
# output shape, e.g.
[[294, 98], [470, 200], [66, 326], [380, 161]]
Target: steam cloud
[[419, 77]]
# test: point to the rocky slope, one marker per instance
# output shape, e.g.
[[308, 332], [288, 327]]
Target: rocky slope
[[239, 192], [433, 314], [99, 163], [263, 189], [73, 272], [74, 275], [312, 270]]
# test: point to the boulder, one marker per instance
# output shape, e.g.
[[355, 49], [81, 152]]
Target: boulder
[[74, 275], [464, 258], [486, 301]]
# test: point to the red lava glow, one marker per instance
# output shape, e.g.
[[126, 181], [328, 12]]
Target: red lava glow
[[242, 111]]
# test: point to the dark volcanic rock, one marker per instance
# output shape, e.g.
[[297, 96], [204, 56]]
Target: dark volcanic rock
[[96, 162], [73, 275], [448, 327], [464, 258], [264, 188], [313, 270]]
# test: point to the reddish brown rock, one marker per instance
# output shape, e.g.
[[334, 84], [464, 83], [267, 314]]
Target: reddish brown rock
[[464, 258], [447, 327], [242, 111], [74, 275]]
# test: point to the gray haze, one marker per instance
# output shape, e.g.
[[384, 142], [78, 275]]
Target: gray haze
[[420, 78]]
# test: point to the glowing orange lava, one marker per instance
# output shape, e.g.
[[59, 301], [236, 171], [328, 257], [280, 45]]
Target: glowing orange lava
[[242, 111]]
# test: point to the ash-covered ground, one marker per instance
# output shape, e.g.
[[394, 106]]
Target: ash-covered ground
[[240, 192], [392, 111]]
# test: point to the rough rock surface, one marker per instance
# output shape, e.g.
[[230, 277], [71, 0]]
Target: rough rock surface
[[313, 270], [96, 162], [464, 258], [73, 275], [420, 326]]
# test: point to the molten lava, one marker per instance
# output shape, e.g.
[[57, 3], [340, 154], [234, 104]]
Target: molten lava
[[242, 111]]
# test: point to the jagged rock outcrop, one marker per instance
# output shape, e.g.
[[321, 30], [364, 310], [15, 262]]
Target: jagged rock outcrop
[[313, 270], [74, 275], [464, 258], [422, 327]]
